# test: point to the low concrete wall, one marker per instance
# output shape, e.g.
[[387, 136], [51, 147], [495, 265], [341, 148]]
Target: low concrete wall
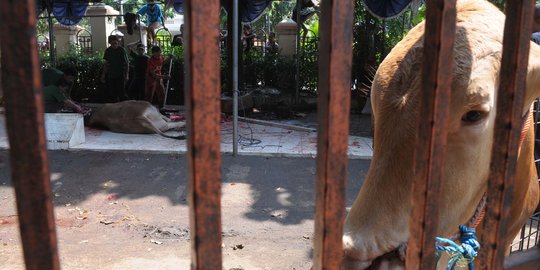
[[64, 130]]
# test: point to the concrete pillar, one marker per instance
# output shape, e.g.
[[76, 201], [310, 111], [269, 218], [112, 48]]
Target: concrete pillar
[[101, 26], [286, 32], [133, 39], [65, 37]]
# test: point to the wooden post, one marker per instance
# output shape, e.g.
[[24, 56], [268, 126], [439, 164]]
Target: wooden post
[[203, 109], [432, 132], [335, 52], [22, 89]]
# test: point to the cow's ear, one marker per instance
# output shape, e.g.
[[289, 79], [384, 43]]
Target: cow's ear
[[533, 76]]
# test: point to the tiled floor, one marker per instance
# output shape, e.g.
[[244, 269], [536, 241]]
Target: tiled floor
[[255, 139]]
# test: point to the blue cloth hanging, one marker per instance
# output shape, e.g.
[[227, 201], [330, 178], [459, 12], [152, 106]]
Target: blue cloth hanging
[[178, 6], [69, 12], [251, 10], [386, 9]]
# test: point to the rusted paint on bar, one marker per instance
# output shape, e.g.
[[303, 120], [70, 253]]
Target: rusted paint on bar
[[25, 121], [335, 52], [432, 132], [203, 105], [507, 134], [523, 260]]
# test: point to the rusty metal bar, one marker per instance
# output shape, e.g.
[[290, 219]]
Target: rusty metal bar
[[523, 260], [432, 133], [25, 121], [203, 122], [335, 52], [510, 99]]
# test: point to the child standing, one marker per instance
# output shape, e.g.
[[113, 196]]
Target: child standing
[[137, 86], [154, 78], [116, 70]]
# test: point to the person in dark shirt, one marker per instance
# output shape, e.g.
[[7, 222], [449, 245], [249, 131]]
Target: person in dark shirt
[[140, 62], [50, 76], [271, 46], [178, 40], [247, 38], [116, 70], [56, 100]]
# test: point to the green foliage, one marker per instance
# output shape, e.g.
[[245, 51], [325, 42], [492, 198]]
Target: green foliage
[[89, 67], [270, 70], [373, 38]]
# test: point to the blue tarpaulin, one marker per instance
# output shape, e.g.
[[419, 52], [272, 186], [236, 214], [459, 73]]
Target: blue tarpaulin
[[387, 9], [252, 10], [178, 6], [69, 12]]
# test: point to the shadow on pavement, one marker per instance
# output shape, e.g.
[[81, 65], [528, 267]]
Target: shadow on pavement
[[280, 189]]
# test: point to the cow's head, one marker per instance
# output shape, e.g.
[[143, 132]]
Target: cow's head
[[378, 222]]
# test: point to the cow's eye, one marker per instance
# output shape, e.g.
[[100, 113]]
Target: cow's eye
[[472, 117]]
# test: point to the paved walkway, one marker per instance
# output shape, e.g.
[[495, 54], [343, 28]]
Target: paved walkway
[[263, 139]]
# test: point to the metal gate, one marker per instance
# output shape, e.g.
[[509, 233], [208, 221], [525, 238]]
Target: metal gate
[[24, 114]]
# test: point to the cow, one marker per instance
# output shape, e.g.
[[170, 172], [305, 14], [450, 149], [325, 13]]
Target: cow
[[377, 224], [133, 116]]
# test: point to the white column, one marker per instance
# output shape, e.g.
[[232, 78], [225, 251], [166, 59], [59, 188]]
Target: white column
[[65, 36], [101, 26], [286, 37]]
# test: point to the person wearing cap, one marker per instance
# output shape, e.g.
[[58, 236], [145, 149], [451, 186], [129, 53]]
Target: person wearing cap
[[140, 61], [154, 18]]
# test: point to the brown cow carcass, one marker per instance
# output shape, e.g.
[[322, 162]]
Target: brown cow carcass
[[136, 117], [378, 222]]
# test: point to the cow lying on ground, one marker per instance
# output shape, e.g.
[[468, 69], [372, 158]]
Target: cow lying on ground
[[132, 116], [378, 222]]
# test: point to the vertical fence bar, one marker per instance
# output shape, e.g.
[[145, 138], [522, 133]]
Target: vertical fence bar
[[203, 121], [510, 99], [24, 116], [335, 52], [432, 134]]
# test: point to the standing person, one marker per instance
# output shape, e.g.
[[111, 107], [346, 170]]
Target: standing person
[[247, 37], [116, 70], [271, 46], [154, 78], [178, 40], [154, 18], [138, 82]]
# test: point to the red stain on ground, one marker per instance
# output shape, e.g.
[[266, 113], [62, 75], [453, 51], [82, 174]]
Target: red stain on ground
[[8, 220]]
